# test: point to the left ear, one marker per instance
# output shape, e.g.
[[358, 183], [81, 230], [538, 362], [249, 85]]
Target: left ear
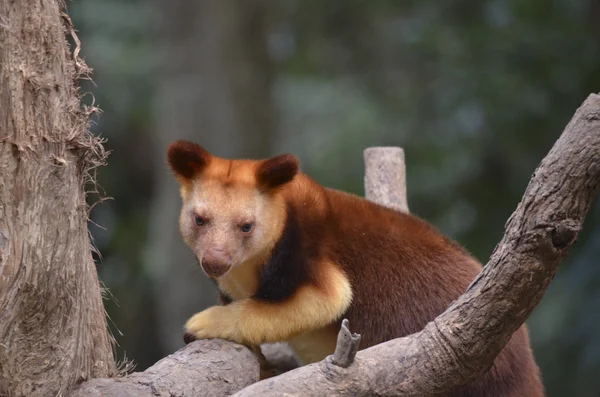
[[277, 171]]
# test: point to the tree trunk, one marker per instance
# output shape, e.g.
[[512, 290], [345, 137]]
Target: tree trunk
[[53, 330], [215, 89]]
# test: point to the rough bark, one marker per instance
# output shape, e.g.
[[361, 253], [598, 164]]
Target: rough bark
[[53, 330], [201, 369], [215, 89], [462, 342]]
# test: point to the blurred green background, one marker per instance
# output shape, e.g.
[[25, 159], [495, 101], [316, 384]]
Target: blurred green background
[[475, 91]]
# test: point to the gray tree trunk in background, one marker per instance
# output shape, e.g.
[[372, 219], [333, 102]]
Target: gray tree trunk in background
[[53, 330], [215, 89]]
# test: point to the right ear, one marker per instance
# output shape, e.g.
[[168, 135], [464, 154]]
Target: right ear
[[187, 159], [277, 171]]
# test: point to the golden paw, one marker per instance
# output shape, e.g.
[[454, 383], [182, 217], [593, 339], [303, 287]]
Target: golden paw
[[213, 323]]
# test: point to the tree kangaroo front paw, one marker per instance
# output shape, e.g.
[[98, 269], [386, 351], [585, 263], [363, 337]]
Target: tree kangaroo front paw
[[214, 322]]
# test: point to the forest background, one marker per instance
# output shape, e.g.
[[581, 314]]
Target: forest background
[[475, 91]]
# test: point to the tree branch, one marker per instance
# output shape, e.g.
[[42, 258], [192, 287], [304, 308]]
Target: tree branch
[[203, 368], [460, 343]]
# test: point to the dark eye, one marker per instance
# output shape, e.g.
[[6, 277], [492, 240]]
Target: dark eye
[[246, 227], [200, 221]]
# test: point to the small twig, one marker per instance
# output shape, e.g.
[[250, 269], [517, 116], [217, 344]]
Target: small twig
[[346, 346]]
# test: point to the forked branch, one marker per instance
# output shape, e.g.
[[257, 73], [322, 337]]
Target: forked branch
[[475, 328], [479, 324]]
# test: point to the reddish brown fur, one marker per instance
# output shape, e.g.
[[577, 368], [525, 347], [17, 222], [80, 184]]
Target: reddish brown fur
[[402, 271], [405, 273]]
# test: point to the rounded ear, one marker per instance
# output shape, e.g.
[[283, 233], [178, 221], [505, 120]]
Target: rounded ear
[[187, 159], [277, 171]]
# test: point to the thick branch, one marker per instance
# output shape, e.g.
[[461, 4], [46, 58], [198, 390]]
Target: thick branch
[[462, 342], [202, 368], [459, 344]]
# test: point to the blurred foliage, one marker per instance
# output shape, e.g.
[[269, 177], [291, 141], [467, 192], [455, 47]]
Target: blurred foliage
[[476, 92]]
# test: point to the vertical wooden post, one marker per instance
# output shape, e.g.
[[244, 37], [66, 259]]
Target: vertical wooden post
[[385, 177]]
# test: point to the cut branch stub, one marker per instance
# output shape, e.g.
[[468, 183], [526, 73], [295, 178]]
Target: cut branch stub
[[346, 346], [385, 177]]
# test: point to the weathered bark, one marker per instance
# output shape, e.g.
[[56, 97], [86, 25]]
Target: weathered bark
[[53, 330], [201, 369], [215, 89], [462, 342]]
